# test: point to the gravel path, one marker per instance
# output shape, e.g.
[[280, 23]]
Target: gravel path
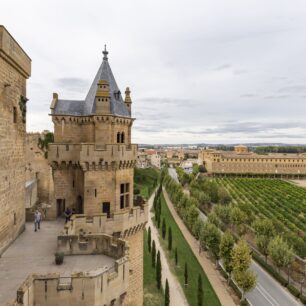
[[209, 268], [177, 296]]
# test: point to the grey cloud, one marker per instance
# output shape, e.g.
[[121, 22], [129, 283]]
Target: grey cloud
[[293, 89], [223, 67], [72, 84]]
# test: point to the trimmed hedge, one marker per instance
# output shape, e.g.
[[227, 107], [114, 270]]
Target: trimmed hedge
[[294, 291], [303, 299]]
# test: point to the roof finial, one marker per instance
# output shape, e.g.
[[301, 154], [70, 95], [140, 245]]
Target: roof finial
[[105, 52]]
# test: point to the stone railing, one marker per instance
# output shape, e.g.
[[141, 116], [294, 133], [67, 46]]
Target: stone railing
[[125, 223], [105, 286], [92, 244], [91, 153]]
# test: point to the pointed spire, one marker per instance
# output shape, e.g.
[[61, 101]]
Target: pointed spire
[[105, 53]]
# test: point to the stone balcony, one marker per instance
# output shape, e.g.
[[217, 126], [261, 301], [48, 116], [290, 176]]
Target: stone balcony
[[88, 154], [125, 222]]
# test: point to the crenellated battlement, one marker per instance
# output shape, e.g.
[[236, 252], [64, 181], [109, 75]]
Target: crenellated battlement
[[93, 156]]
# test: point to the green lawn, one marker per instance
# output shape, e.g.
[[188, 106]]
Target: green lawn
[[144, 180], [152, 296], [185, 254]]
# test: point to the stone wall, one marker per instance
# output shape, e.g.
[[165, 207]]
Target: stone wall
[[15, 68], [135, 288], [105, 286], [37, 167]]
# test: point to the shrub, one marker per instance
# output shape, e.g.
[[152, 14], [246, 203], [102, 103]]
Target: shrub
[[303, 299], [294, 291], [59, 258]]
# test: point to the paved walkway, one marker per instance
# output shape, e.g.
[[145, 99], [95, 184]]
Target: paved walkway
[[177, 296], [33, 252], [209, 268]]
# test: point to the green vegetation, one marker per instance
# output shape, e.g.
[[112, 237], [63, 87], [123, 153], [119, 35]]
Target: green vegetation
[[280, 149], [241, 261], [43, 143], [145, 180], [278, 201], [152, 296], [183, 254]]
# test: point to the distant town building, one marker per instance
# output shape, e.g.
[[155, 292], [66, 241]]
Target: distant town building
[[242, 161], [148, 158]]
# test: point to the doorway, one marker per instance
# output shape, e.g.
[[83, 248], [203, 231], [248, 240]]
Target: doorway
[[80, 206], [106, 208], [60, 205]]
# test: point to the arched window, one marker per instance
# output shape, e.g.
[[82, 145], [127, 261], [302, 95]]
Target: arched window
[[118, 137], [122, 137]]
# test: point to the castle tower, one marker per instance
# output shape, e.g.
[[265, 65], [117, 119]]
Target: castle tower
[[93, 164], [15, 69]]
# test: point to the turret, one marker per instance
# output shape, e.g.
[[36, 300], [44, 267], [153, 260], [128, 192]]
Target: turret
[[128, 100], [102, 98]]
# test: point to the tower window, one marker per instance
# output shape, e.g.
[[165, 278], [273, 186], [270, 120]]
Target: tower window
[[122, 137], [14, 114], [118, 137], [124, 195]]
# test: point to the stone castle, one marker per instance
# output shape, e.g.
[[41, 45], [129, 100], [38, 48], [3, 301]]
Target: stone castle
[[92, 164]]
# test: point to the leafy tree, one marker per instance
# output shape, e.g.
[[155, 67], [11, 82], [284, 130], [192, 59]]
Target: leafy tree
[[214, 219], [280, 252], [149, 239], [246, 280], [169, 238], [224, 196], [186, 274], [153, 254], [226, 246], [223, 213], [196, 228], [241, 256], [200, 291], [158, 271], [164, 228], [238, 218], [167, 294], [192, 215], [262, 243], [211, 237], [264, 227], [176, 257]]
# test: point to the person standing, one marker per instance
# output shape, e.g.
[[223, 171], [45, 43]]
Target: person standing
[[37, 219]]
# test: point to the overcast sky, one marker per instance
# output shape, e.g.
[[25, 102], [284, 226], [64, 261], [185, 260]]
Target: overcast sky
[[213, 71]]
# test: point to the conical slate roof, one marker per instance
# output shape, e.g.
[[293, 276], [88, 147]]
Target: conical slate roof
[[87, 106]]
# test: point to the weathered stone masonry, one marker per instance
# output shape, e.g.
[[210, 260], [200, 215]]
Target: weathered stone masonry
[[15, 69]]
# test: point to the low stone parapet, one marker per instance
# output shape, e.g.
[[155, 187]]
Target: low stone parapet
[[82, 288], [124, 223], [92, 244]]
